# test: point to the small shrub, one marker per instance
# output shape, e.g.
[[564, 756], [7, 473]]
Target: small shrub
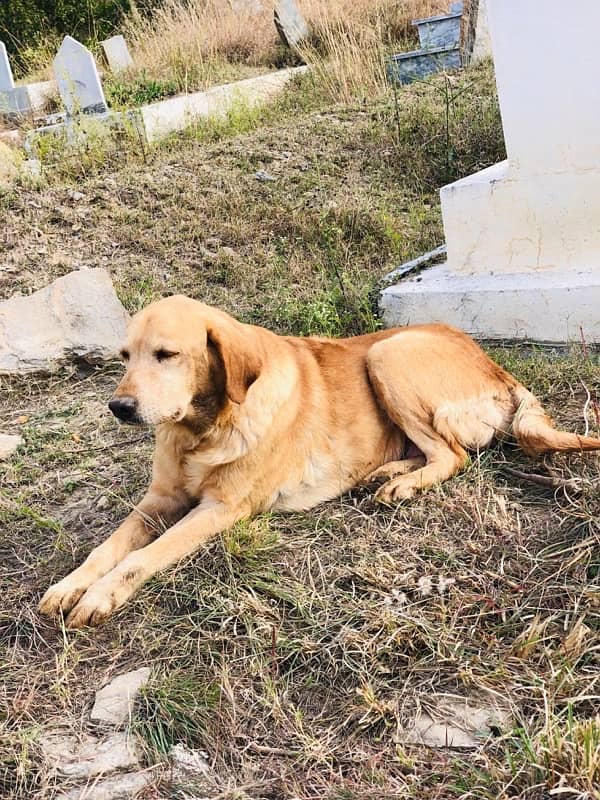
[[123, 93]]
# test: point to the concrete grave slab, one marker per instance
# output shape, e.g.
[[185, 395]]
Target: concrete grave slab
[[167, 116], [15, 101], [439, 31], [40, 93], [77, 79], [516, 306]]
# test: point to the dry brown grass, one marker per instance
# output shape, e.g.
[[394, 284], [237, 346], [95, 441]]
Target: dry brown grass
[[188, 40]]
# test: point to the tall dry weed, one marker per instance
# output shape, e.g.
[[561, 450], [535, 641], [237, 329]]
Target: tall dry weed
[[348, 42]]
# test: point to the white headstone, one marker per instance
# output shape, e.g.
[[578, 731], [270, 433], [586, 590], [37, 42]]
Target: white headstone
[[117, 53], [6, 76], [77, 78], [523, 236], [290, 23], [247, 6]]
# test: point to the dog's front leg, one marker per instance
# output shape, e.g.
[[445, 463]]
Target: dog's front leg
[[183, 539], [138, 529]]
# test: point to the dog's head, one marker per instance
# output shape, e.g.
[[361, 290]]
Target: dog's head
[[185, 362]]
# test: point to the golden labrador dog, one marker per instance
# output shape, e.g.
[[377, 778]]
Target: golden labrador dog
[[248, 421]]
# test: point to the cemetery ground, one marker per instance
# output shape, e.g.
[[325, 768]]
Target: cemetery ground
[[295, 648]]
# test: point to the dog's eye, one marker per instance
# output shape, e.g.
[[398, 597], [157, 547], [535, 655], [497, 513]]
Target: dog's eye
[[163, 355], [125, 355]]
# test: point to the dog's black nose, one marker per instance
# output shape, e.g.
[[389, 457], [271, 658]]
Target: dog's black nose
[[124, 408]]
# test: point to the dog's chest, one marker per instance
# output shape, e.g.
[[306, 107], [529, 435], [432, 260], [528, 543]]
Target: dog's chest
[[318, 479]]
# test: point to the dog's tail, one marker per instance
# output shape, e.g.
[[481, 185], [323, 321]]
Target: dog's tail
[[535, 432]]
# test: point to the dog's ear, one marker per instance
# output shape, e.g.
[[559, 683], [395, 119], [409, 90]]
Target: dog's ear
[[240, 355]]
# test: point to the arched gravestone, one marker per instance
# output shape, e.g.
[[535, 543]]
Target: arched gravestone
[[78, 80]]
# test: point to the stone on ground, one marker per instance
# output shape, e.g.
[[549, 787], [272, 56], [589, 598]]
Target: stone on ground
[[8, 444], [457, 722], [114, 702], [76, 318], [190, 768], [120, 787], [86, 756]]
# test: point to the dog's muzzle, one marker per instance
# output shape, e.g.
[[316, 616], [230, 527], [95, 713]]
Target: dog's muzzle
[[125, 409]]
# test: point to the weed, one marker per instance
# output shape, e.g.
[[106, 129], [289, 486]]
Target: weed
[[175, 706], [122, 93]]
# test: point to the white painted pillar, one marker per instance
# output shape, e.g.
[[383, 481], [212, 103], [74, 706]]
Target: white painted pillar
[[523, 236]]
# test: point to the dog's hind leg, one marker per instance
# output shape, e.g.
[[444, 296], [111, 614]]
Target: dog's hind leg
[[394, 468], [442, 391]]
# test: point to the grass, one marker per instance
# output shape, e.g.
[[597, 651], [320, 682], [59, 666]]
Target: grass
[[191, 42], [295, 647]]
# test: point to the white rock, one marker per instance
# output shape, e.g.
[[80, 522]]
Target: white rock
[[114, 702], [78, 317], [8, 444], [185, 760], [191, 767], [453, 721], [87, 756], [120, 787]]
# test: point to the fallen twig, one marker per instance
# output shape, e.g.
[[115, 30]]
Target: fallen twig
[[276, 751], [540, 480]]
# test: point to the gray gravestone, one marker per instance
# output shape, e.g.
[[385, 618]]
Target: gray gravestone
[[6, 77], [77, 78], [290, 23], [117, 53]]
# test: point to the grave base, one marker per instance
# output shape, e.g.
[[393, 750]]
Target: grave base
[[550, 307]]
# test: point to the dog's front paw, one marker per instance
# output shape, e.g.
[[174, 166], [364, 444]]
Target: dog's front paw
[[94, 608], [62, 596]]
